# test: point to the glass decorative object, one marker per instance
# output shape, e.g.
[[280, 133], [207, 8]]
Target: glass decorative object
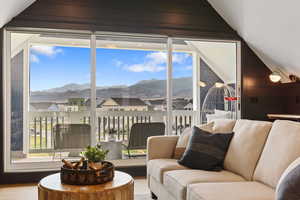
[[220, 103]]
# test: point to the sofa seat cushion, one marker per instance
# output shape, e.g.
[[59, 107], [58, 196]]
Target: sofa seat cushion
[[176, 181], [157, 167], [230, 191]]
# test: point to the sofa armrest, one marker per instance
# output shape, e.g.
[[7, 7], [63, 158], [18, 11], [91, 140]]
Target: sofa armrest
[[161, 147]]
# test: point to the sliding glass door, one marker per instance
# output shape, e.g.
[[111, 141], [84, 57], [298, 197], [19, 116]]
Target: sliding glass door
[[66, 90], [50, 85], [130, 93]]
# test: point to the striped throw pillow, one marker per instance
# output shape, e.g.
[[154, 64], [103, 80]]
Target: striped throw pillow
[[206, 151]]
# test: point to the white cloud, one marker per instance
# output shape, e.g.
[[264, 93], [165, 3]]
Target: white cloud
[[161, 57], [46, 50], [157, 57], [156, 62], [180, 57], [34, 58], [145, 67]]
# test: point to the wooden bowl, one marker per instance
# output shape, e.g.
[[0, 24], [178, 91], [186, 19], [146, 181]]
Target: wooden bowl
[[88, 176]]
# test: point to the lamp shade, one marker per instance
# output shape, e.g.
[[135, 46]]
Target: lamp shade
[[275, 77]]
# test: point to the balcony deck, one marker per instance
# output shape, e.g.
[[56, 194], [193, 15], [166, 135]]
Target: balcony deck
[[39, 145]]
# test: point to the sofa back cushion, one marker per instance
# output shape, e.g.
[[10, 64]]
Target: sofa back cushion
[[246, 146], [223, 125], [281, 149]]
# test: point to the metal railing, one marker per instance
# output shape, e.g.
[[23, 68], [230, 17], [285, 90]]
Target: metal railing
[[41, 124]]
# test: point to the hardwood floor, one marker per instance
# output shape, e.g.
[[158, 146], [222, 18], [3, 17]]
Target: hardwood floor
[[24, 191], [29, 191]]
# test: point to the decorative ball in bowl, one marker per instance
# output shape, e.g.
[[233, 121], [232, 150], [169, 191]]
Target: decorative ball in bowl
[[88, 176], [90, 170]]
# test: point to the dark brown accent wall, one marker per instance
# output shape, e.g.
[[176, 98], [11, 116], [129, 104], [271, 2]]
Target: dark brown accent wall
[[290, 96], [173, 18], [176, 18], [259, 95]]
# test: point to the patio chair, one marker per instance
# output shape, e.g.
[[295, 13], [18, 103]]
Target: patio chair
[[140, 132], [71, 138]]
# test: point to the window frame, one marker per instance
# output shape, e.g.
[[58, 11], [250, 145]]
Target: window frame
[[55, 165]]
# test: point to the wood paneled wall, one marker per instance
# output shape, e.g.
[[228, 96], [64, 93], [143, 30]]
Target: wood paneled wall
[[259, 95], [173, 18], [176, 18]]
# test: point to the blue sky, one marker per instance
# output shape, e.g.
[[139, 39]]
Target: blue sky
[[57, 66]]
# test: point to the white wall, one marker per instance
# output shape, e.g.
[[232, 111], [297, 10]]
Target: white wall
[[270, 27]]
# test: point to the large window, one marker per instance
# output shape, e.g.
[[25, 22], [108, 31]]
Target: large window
[[66, 90]]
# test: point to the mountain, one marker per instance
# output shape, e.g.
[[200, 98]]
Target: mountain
[[182, 87], [68, 87], [76, 87]]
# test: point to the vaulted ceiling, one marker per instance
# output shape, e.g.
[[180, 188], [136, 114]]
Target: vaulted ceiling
[[270, 27], [11, 8]]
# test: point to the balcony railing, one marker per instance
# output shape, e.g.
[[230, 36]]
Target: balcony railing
[[41, 124]]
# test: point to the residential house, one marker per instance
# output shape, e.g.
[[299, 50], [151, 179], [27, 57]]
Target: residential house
[[123, 104], [157, 104], [44, 106]]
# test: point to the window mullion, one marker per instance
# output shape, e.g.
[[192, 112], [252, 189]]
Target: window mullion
[[169, 86], [93, 90], [7, 99], [196, 88]]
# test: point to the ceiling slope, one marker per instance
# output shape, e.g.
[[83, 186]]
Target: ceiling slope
[[271, 28], [11, 8]]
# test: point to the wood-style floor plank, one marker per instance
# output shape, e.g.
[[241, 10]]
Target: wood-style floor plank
[[29, 191]]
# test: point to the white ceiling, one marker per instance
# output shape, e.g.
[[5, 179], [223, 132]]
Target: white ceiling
[[11, 8], [270, 27], [221, 58]]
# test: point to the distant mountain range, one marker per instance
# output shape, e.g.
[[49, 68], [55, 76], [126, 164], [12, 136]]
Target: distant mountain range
[[76, 87], [182, 87]]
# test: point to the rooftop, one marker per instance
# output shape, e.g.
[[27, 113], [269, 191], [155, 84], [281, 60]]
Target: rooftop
[[127, 101]]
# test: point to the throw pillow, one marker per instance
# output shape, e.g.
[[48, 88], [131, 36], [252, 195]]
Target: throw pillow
[[289, 184], [184, 139], [206, 151]]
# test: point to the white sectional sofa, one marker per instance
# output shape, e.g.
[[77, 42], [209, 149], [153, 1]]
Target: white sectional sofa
[[258, 155]]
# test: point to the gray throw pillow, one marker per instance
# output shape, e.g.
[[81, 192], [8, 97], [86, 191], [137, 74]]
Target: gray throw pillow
[[206, 151], [289, 186]]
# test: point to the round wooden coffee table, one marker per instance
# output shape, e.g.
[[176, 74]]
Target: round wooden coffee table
[[121, 188]]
